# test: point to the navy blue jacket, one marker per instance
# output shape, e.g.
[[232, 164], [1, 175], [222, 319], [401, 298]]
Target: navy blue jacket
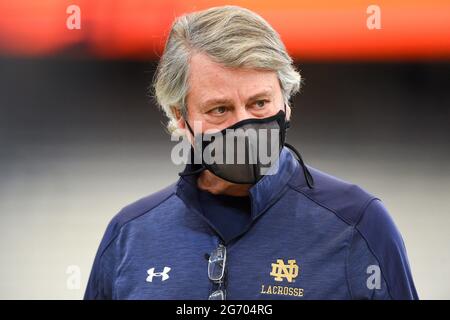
[[333, 241]]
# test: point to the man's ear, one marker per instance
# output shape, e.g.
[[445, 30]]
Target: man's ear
[[288, 112], [180, 120]]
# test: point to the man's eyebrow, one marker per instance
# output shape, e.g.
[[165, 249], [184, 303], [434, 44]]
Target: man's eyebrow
[[260, 94], [220, 101], [215, 101]]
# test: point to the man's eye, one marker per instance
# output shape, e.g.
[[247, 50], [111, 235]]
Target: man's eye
[[261, 103], [218, 110]]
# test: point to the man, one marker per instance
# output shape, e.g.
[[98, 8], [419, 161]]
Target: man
[[235, 230]]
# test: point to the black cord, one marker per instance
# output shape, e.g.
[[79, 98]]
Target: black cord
[[308, 177]]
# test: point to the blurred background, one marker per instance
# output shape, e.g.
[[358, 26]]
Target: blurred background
[[80, 136]]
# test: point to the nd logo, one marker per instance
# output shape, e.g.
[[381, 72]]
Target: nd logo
[[281, 270]]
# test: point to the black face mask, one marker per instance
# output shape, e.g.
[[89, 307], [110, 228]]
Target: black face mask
[[244, 152]]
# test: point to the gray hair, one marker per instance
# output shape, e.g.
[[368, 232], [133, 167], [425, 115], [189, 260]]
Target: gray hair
[[232, 36]]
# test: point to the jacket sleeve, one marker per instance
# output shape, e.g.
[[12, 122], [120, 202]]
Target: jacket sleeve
[[377, 264]]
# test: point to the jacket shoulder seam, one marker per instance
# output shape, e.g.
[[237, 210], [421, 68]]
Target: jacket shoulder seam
[[370, 248]]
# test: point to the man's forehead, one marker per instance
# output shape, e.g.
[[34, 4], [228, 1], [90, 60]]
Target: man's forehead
[[212, 83], [212, 98], [206, 72]]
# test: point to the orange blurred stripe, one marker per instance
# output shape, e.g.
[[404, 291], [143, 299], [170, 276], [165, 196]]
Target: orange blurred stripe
[[310, 29]]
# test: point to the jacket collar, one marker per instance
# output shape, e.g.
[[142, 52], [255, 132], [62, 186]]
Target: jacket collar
[[263, 194]]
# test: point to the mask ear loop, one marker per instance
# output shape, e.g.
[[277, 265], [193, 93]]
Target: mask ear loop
[[308, 177], [202, 168]]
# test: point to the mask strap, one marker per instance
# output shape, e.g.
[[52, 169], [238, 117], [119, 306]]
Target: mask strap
[[308, 177], [202, 168], [184, 115]]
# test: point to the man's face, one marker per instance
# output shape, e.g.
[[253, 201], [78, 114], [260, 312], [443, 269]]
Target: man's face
[[219, 96]]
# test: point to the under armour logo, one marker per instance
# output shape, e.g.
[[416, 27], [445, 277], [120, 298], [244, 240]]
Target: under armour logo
[[281, 270], [151, 273]]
